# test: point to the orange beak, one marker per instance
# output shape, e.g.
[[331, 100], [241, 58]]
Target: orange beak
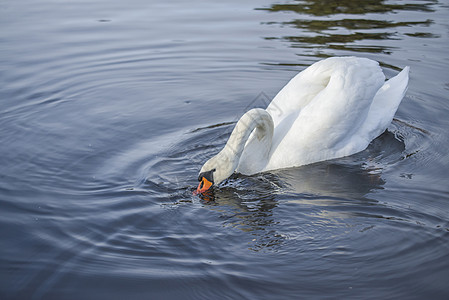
[[203, 186]]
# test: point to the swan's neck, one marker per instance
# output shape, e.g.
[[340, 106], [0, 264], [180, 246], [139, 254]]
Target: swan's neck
[[258, 119]]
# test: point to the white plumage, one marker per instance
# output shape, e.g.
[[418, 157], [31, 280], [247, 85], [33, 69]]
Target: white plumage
[[334, 108]]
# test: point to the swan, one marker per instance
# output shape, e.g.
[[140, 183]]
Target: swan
[[333, 108]]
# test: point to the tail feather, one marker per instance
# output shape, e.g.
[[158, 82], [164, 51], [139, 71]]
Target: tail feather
[[391, 93], [385, 104]]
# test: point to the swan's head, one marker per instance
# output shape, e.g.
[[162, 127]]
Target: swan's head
[[216, 170]]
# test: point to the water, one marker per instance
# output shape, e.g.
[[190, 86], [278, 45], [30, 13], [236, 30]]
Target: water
[[109, 108]]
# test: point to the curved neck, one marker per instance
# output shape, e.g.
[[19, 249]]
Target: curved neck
[[256, 118]]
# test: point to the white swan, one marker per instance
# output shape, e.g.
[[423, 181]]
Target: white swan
[[334, 108]]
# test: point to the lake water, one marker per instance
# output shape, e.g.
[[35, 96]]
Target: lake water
[[108, 109]]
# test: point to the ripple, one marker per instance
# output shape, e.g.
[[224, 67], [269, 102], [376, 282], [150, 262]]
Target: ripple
[[340, 188], [109, 111]]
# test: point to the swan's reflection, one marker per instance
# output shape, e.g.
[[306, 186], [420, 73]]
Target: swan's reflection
[[328, 191], [249, 202]]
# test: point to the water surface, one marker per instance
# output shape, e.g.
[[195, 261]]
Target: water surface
[[108, 110]]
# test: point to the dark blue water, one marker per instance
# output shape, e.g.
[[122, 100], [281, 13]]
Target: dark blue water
[[108, 109]]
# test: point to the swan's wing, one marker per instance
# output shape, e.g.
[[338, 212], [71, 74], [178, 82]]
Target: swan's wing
[[329, 119]]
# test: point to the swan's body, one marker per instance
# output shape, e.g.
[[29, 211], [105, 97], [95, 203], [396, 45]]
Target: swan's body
[[334, 108]]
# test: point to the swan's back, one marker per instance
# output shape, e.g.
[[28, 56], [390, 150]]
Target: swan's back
[[304, 87]]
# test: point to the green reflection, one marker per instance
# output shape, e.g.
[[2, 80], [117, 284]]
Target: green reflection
[[353, 25], [331, 7]]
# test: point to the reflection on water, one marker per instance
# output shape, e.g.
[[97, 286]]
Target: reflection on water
[[327, 188], [247, 203], [361, 7], [354, 24]]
